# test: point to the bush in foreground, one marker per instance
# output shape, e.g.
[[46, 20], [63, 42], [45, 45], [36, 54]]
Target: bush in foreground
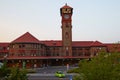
[[14, 73], [102, 67]]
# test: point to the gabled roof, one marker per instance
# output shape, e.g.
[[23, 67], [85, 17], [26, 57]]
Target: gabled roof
[[97, 44], [52, 43], [26, 38]]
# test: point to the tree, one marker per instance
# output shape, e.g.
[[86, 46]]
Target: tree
[[17, 74], [4, 71], [101, 67], [14, 73]]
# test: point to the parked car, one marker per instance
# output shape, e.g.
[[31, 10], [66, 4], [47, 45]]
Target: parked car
[[59, 74]]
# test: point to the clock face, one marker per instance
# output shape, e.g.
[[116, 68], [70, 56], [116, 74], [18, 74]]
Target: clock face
[[64, 10], [66, 16]]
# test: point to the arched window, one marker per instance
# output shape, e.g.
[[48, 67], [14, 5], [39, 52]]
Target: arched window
[[67, 35]]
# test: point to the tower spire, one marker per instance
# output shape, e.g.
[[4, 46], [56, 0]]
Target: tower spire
[[65, 4]]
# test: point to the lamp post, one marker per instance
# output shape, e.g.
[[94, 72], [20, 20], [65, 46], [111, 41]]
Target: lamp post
[[5, 58], [23, 64]]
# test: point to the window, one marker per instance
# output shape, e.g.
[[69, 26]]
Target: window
[[21, 46], [67, 35]]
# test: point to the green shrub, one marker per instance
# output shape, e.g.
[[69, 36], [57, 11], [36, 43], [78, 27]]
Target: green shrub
[[101, 67]]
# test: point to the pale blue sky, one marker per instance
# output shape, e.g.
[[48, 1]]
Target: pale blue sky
[[92, 19]]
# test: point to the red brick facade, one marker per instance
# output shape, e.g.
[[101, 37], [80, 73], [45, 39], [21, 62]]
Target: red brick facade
[[42, 53]]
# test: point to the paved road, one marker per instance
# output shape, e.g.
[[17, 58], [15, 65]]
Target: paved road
[[47, 73], [46, 77], [52, 69]]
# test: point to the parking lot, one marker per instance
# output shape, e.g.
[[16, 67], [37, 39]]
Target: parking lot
[[47, 73]]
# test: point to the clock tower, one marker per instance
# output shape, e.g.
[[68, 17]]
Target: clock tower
[[66, 14]]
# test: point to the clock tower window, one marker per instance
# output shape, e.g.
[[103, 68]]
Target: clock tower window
[[67, 35]]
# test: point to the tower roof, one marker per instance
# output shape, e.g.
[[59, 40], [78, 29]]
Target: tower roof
[[66, 6], [26, 38]]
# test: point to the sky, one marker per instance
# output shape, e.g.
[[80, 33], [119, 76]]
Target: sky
[[92, 19]]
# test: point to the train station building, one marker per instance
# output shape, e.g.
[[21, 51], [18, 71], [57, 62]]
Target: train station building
[[28, 51]]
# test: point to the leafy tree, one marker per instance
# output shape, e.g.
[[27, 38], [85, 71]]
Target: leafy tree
[[102, 67], [17, 74], [14, 73], [4, 71]]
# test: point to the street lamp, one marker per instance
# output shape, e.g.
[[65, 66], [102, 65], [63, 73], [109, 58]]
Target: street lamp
[[5, 58]]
